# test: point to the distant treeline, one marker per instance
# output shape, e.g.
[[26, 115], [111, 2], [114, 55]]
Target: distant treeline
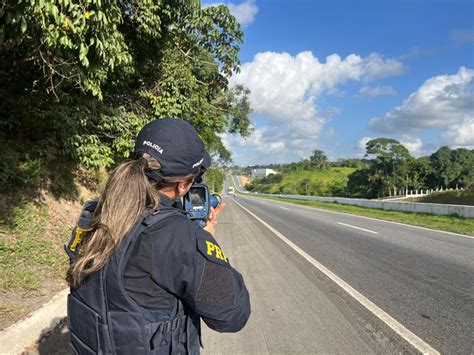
[[388, 167], [214, 178]]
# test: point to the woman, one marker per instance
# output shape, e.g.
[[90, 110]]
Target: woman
[[142, 274]]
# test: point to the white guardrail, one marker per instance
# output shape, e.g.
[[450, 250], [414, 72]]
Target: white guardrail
[[417, 207]]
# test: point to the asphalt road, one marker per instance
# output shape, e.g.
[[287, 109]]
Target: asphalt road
[[295, 308], [422, 278]]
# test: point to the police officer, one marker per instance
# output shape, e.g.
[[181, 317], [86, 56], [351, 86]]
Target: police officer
[[142, 274]]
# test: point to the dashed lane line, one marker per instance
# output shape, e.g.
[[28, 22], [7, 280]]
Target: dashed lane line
[[362, 229], [365, 217]]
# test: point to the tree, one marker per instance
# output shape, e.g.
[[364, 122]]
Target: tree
[[318, 159], [452, 168], [390, 164], [420, 173], [214, 178], [442, 167], [80, 79], [462, 167], [359, 185]]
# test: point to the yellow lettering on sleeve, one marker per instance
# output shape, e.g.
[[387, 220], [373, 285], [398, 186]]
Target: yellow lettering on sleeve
[[77, 238], [224, 257], [210, 247], [219, 253]]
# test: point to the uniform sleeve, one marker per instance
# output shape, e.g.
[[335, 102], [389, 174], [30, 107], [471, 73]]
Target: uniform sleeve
[[190, 264], [220, 295]]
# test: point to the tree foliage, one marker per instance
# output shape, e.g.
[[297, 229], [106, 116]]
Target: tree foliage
[[387, 166], [393, 168], [214, 178], [81, 78], [318, 159], [452, 167]]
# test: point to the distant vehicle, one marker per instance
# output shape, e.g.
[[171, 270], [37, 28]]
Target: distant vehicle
[[231, 191]]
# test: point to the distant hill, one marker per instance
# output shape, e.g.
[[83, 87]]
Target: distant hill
[[328, 182]]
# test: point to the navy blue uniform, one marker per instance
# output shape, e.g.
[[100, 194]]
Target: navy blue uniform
[[165, 276], [177, 258]]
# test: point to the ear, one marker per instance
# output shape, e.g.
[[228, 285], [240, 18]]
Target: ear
[[182, 184]]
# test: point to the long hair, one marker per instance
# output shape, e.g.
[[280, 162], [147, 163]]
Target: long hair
[[128, 194]]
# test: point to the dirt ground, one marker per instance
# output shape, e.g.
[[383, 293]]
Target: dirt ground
[[17, 304], [244, 180]]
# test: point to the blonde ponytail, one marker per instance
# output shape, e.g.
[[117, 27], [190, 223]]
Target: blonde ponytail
[[127, 195]]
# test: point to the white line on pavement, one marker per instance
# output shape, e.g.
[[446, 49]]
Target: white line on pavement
[[362, 229], [284, 208], [397, 327], [374, 219]]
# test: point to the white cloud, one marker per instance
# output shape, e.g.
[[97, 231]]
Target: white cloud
[[375, 66], [362, 142], [413, 144], [461, 135], [376, 91], [442, 101], [360, 149], [285, 88], [244, 12], [274, 143]]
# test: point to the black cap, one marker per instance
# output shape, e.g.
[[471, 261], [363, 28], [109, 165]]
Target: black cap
[[175, 144]]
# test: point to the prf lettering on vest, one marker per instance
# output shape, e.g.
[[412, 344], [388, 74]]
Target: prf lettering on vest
[[213, 249]]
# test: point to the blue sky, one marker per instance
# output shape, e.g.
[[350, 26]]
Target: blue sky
[[330, 75]]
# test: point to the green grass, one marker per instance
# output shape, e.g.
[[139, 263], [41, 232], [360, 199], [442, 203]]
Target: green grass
[[454, 224], [28, 255], [329, 182], [462, 197]]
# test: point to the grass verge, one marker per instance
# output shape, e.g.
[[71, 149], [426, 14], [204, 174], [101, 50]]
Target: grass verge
[[454, 224], [28, 254], [462, 197]]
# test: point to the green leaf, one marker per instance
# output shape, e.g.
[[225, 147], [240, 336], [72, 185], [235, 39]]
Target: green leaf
[[23, 25]]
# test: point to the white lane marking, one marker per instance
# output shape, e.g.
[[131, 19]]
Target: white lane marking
[[284, 208], [373, 219], [396, 326], [362, 229]]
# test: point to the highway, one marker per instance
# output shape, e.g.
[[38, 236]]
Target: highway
[[422, 278], [419, 281]]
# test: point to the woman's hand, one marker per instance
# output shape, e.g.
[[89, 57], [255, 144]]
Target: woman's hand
[[212, 221]]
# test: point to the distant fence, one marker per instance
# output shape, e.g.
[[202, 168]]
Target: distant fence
[[418, 207], [420, 192]]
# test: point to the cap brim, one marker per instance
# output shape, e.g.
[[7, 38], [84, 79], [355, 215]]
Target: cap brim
[[206, 163]]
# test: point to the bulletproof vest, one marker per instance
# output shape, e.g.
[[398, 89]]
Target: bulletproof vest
[[103, 319]]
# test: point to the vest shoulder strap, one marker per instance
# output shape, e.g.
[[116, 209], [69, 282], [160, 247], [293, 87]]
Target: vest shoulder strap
[[160, 214], [116, 265]]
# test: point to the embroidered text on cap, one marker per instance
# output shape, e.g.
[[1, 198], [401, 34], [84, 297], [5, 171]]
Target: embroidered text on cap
[[154, 146]]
